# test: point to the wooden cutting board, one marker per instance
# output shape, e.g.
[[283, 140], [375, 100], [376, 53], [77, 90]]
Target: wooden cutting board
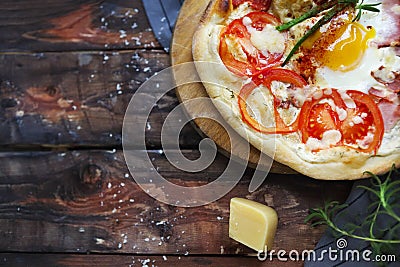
[[181, 52]]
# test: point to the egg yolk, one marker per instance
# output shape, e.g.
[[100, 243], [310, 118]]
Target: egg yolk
[[344, 48]]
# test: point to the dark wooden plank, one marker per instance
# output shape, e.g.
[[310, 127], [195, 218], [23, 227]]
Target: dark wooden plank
[[22, 259], [74, 25], [86, 201], [78, 99]]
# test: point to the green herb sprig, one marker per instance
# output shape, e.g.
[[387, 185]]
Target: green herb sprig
[[386, 199], [368, 7], [333, 8]]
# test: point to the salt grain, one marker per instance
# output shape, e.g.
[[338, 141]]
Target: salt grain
[[99, 241], [122, 34]]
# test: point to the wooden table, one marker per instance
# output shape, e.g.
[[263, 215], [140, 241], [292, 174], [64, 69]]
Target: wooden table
[[68, 70]]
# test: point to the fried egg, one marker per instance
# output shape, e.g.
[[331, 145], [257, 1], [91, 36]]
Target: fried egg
[[345, 53]]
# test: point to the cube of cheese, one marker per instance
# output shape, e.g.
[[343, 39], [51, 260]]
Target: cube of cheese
[[252, 224]]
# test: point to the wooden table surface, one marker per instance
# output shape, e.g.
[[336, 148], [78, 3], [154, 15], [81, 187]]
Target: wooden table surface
[[68, 70]]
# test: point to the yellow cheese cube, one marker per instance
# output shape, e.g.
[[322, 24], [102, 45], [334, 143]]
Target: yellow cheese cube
[[252, 224]]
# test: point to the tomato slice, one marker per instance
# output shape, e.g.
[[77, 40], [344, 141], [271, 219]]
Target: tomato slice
[[266, 77], [322, 118], [237, 35], [367, 119], [260, 5], [361, 126]]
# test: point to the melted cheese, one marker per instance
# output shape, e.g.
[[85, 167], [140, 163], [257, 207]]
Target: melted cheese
[[329, 138], [268, 40]]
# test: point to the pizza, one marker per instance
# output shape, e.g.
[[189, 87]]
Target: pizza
[[313, 84]]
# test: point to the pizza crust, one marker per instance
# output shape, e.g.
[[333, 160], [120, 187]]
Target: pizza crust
[[338, 163]]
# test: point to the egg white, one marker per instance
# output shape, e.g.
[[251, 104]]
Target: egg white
[[373, 59], [360, 78]]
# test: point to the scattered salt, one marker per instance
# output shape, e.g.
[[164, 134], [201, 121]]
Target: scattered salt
[[99, 241]]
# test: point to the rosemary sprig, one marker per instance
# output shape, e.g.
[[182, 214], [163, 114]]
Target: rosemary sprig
[[333, 8], [386, 200], [325, 19], [368, 7], [311, 13]]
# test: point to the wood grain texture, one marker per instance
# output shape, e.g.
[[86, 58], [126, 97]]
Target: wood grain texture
[[19, 260], [181, 52], [82, 201], [74, 25], [78, 98]]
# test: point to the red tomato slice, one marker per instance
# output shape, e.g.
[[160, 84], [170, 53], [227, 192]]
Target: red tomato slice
[[266, 77], [317, 116], [236, 33], [369, 118], [321, 119], [260, 5]]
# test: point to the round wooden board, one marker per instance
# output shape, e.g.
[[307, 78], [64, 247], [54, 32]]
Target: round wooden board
[[181, 52]]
